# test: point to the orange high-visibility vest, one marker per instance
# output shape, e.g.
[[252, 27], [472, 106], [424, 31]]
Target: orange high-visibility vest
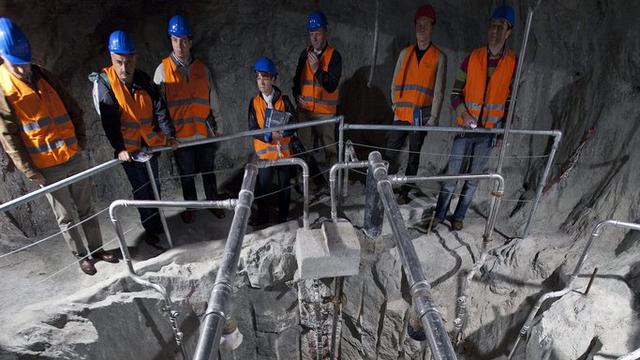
[[46, 129], [264, 150], [414, 83], [187, 99], [315, 97], [136, 115], [489, 100]]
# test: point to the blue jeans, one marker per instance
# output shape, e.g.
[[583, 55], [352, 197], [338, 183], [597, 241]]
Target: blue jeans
[[475, 148]]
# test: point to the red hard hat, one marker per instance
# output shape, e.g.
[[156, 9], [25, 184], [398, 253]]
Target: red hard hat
[[425, 10]]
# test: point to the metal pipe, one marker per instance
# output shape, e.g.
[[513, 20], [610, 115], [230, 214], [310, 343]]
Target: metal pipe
[[437, 337], [156, 195], [340, 149], [11, 204], [248, 133], [349, 156], [378, 127], [595, 233], [374, 56], [532, 314], [214, 318], [543, 182], [495, 206], [631, 356], [557, 134], [333, 174], [305, 181], [463, 313], [514, 90], [113, 214], [337, 310]]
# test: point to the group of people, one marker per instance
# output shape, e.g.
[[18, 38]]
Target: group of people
[[480, 99], [43, 132]]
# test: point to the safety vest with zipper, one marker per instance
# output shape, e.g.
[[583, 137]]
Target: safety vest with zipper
[[136, 115], [414, 83], [486, 102], [316, 99], [46, 128], [187, 99], [271, 150]]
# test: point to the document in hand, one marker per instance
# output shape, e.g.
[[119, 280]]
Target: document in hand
[[276, 118]]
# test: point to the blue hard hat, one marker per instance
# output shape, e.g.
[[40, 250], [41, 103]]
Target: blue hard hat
[[504, 12], [316, 20], [14, 45], [121, 42], [179, 26], [264, 64]]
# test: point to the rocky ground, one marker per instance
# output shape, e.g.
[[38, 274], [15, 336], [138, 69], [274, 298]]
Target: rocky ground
[[108, 316], [580, 77]]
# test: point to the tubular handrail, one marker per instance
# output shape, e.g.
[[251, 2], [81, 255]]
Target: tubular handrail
[[437, 337], [497, 194], [333, 175], [305, 181], [113, 214], [11, 204], [556, 134], [446, 129], [595, 233], [218, 308]]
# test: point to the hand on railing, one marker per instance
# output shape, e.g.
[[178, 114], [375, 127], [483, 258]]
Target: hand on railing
[[173, 143], [124, 156]]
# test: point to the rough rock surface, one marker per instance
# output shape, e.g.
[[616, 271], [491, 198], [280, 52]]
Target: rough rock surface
[[580, 74]]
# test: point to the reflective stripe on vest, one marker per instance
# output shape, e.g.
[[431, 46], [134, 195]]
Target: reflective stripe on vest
[[187, 99], [484, 100], [414, 82], [264, 150], [46, 129], [316, 98], [136, 115]]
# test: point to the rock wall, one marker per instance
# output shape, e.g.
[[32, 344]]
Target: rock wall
[[579, 74]]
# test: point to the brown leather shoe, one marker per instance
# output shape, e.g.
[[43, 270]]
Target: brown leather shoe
[[106, 256], [188, 216], [219, 213], [87, 267]]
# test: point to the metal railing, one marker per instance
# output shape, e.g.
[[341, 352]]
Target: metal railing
[[595, 233], [497, 194], [305, 181], [556, 134], [436, 334], [113, 214]]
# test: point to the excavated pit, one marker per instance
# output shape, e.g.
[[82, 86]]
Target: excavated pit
[[279, 315], [580, 75]]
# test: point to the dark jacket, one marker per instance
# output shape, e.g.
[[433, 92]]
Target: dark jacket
[[328, 79], [288, 106], [110, 110]]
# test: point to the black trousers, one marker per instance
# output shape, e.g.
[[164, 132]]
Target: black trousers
[[142, 190], [197, 160], [395, 140], [282, 175], [314, 169]]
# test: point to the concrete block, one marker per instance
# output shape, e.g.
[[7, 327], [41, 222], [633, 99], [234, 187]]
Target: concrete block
[[331, 251]]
